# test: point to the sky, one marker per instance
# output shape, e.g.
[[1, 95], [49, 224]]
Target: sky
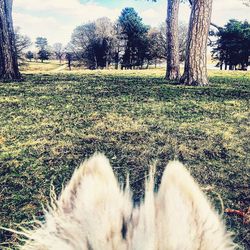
[[56, 19]]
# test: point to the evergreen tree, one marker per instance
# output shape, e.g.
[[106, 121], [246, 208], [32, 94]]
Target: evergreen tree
[[29, 55], [232, 47], [42, 45], [135, 36]]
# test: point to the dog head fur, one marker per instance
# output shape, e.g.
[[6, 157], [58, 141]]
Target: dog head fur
[[93, 212]]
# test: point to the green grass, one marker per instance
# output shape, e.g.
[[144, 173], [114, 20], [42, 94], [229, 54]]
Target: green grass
[[51, 122]]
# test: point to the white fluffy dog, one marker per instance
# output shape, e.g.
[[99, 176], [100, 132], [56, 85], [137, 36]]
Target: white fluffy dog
[[95, 213]]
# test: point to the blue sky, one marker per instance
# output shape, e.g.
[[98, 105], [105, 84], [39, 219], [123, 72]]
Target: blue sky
[[56, 19], [140, 4]]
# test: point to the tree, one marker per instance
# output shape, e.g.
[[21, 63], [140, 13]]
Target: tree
[[69, 57], [42, 45], [58, 51], [29, 55], [135, 38], [173, 62], [43, 54], [195, 70], [22, 43], [156, 50], [232, 47], [92, 43], [8, 56], [182, 37], [118, 44], [105, 33]]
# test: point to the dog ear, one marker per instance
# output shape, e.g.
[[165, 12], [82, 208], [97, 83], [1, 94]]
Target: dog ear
[[94, 198], [88, 183], [185, 219], [91, 213]]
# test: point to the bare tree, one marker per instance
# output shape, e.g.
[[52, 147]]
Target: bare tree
[[173, 62], [106, 32], [8, 56], [163, 38], [182, 37], [22, 43], [58, 51], [157, 52], [183, 32], [195, 71], [119, 44], [92, 43]]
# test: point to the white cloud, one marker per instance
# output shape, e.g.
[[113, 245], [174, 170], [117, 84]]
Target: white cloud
[[67, 8], [56, 19], [48, 27], [153, 16], [230, 9]]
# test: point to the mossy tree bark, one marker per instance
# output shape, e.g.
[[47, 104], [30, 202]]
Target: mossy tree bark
[[8, 56], [195, 70], [173, 61]]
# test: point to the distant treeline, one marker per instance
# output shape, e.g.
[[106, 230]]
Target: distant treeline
[[128, 44]]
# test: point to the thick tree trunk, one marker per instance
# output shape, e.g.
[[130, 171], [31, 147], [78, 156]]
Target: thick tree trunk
[[195, 71], [173, 61], [8, 56]]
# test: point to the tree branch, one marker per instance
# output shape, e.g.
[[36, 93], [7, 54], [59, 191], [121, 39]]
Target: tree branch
[[216, 26]]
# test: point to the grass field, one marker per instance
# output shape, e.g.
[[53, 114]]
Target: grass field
[[52, 121]]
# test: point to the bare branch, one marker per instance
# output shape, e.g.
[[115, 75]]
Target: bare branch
[[215, 26]]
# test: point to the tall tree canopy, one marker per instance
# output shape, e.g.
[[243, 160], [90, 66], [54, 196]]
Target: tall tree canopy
[[8, 56], [232, 47], [135, 36]]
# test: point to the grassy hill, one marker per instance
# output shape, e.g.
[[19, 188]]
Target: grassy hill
[[54, 120]]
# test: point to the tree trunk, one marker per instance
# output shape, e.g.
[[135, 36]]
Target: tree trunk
[[8, 56], [173, 61], [69, 63], [195, 71]]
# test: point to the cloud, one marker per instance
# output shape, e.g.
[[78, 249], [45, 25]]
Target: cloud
[[48, 27], [153, 16], [230, 9], [56, 19], [67, 8]]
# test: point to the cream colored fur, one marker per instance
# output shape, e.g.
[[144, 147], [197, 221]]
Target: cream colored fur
[[94, 213]]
